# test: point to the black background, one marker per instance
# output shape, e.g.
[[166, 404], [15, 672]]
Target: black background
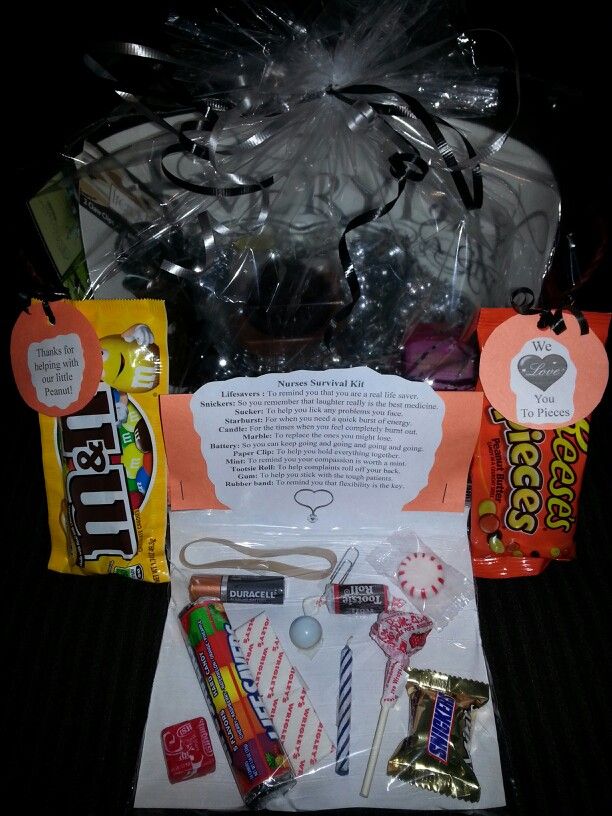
[[81, 653]]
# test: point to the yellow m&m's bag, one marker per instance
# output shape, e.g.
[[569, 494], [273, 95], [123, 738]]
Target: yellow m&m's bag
[[104, 465]]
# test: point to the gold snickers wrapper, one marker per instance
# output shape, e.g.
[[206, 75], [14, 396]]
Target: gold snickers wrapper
[[435, 754]]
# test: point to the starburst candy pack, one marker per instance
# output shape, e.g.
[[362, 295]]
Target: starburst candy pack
[[104, 465]]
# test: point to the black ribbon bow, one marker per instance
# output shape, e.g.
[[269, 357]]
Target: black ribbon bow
[[523, 302], [405, 165]]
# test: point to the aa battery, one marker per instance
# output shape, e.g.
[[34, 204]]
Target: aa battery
[[255, 589]]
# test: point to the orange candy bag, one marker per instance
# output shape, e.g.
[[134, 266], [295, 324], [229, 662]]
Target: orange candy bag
[[525, 483]]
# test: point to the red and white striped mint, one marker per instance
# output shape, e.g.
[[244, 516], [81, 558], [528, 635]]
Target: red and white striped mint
[[421, 575]]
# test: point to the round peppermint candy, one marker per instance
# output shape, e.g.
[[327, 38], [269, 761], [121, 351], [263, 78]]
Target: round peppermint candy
[[421, 575]]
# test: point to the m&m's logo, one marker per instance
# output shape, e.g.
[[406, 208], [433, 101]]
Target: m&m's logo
[[109, 466]]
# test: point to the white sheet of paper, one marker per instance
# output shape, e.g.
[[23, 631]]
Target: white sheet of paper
[[341, 443], [456, 649]]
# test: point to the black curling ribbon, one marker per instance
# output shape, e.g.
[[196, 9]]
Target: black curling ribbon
[[405, 165], [523, 302], [42, 291], [472, 199]]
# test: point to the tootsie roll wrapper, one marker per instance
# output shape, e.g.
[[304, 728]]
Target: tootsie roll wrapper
[[435, 753]]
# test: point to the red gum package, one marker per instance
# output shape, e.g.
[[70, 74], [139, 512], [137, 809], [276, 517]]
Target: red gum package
[[187, 750], [525, 483]]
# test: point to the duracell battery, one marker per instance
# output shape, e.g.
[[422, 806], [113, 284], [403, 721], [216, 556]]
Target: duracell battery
[[238, 588]]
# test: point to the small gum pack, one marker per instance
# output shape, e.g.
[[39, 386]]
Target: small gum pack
[[187, 750], [104, 465]]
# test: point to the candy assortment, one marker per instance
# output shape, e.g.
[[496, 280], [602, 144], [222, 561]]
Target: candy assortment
[[322, 728], [327, 197]]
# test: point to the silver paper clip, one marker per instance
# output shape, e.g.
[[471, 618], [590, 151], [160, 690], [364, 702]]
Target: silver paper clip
[[344, 566], [340, 574]]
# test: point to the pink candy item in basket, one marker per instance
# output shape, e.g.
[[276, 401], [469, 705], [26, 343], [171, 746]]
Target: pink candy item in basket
[[447, 362], [400, 634], [300, 730]]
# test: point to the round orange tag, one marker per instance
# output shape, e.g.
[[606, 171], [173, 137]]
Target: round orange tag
[[541, 379], [57, 366]]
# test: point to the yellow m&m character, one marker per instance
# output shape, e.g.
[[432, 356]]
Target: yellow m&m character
[[130, 361]]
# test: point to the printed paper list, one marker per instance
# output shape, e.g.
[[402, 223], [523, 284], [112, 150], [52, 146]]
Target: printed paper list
[[336, 430]]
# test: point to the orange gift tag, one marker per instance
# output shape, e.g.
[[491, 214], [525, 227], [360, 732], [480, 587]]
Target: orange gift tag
[[539, 379], [56, 365]]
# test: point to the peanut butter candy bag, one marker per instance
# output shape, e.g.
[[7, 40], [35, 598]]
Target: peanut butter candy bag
[[105, 466], [525, 483]]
